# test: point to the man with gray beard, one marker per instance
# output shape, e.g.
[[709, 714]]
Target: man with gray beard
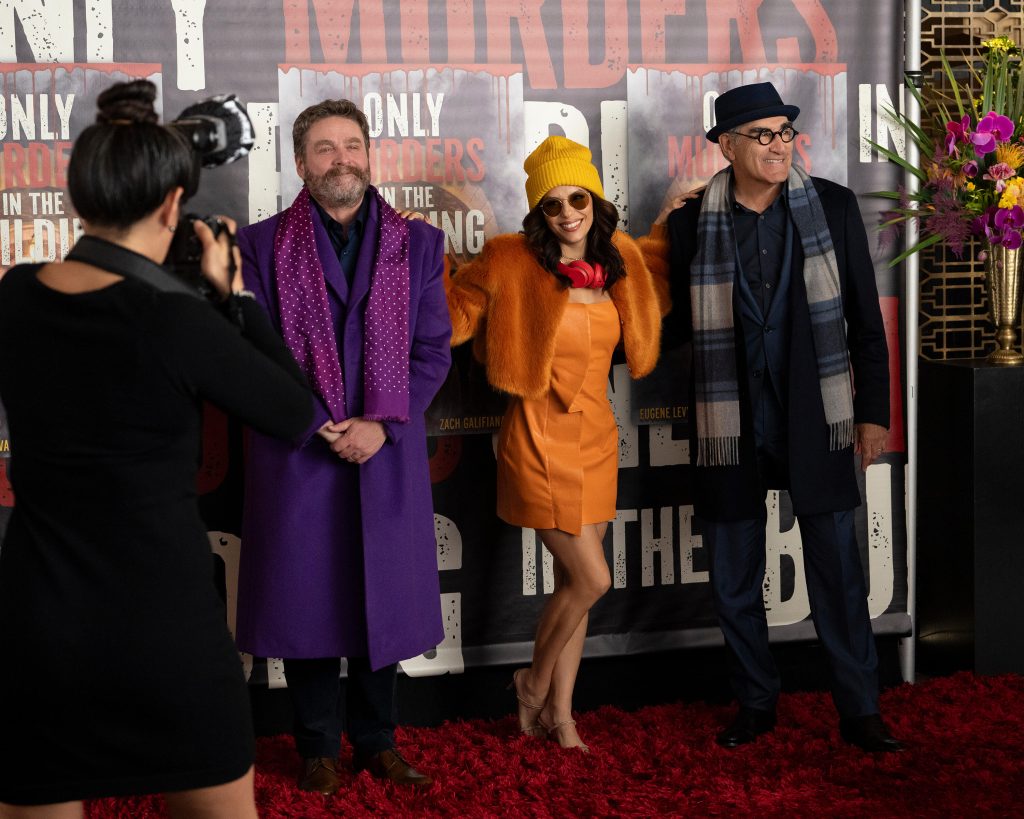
[[339, 558]]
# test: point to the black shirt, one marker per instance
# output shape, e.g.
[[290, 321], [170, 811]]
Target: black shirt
[[761, 245], [346, 243]]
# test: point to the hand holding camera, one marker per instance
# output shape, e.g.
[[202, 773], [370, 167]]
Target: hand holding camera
[[220, 261]]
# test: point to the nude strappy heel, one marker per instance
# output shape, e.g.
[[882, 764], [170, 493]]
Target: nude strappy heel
[[535, 729], [554, 731]]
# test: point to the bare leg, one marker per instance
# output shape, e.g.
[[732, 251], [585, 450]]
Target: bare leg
[[556, 716], [583, 577], [59, 810], [558, 707], [232, 800]]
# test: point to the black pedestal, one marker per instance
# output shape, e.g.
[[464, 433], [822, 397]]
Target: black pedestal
[[970, 556]]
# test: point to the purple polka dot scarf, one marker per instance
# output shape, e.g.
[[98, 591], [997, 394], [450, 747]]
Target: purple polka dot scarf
[[306, 316]]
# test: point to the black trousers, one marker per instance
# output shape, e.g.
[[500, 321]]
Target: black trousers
[[369, 706], [837, 595], [836, 591]]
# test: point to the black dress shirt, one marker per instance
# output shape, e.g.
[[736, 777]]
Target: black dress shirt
[[761, 244], [346, 242]]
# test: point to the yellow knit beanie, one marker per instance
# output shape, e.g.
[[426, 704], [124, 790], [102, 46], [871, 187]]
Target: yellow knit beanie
[[559, 161]]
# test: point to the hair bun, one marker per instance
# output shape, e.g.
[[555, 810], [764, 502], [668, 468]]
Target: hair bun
[[127, 102]]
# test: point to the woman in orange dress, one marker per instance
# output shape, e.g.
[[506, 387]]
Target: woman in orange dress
[[546, 308]]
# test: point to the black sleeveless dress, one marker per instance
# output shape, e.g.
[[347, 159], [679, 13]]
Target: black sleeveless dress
[[119, 675]]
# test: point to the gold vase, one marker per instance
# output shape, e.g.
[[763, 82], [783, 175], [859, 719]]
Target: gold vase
[[1002, 277]]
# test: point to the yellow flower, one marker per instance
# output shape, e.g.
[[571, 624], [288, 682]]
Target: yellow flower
[[1012, 153], [999, 44], [1011, 194], [970, 186]]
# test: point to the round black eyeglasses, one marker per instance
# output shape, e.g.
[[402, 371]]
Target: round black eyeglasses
[[787, 133]]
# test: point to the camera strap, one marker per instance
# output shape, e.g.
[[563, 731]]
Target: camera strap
[[116, 259]]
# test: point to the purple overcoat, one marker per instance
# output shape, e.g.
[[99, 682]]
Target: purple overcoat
[[339, 559]]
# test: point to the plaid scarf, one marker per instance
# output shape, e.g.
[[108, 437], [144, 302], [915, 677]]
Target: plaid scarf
[[306, 315], [714, 336]]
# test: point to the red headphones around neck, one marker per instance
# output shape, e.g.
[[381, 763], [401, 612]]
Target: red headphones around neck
[[581, 274]]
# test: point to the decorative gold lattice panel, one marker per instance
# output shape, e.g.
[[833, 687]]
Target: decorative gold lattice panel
[[954, 307]]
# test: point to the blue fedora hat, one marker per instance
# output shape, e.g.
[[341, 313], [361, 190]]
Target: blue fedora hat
[[747, 103]]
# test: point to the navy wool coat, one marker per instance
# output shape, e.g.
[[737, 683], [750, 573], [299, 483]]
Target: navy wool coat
[[820, 480]]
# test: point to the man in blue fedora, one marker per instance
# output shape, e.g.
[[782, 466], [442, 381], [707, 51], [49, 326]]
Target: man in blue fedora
[[772, 281]]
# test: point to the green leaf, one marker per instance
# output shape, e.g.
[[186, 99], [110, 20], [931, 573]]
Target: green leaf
[[934, 239], [986, 92], [922, 139], [954, 84], [895, 221], [892, 156]]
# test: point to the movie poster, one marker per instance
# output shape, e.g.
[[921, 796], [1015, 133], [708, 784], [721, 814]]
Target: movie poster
[[671, 108], [457, 92], [446, 142], [42, 109]]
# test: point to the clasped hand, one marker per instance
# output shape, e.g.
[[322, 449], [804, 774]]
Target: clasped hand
[[355, 440]]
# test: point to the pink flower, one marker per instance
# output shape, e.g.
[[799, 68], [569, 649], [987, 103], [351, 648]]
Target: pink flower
[[999, 171], [957, 132]]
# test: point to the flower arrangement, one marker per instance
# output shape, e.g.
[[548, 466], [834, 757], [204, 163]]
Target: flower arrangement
[[972, 158]]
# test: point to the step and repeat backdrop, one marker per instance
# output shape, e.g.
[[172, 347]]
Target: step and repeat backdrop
[[457, 93]]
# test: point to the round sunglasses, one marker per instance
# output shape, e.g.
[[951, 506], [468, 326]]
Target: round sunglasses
[[553, 207]]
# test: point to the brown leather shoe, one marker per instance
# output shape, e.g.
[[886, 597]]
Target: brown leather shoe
[[319, 775], [390, 765]]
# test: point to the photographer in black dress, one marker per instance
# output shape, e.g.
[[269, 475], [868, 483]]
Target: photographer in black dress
[[119, 674]]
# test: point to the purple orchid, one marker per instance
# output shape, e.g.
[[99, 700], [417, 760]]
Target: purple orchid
[[970, 169], [957, 132], [992, 128], [1011, 239], [1001, 127], [984, 143], [1003, 226], [1009, 218]]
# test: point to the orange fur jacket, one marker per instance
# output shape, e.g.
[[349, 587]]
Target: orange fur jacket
[[511, 307]]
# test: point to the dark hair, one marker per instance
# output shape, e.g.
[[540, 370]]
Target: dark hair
[[322, 110], [123, 166], [600, 249]]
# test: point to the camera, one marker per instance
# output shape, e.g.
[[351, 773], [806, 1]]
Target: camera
[[219, 131], [186, 252]]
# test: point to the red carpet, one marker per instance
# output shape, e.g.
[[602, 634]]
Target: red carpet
[[965, 758]]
